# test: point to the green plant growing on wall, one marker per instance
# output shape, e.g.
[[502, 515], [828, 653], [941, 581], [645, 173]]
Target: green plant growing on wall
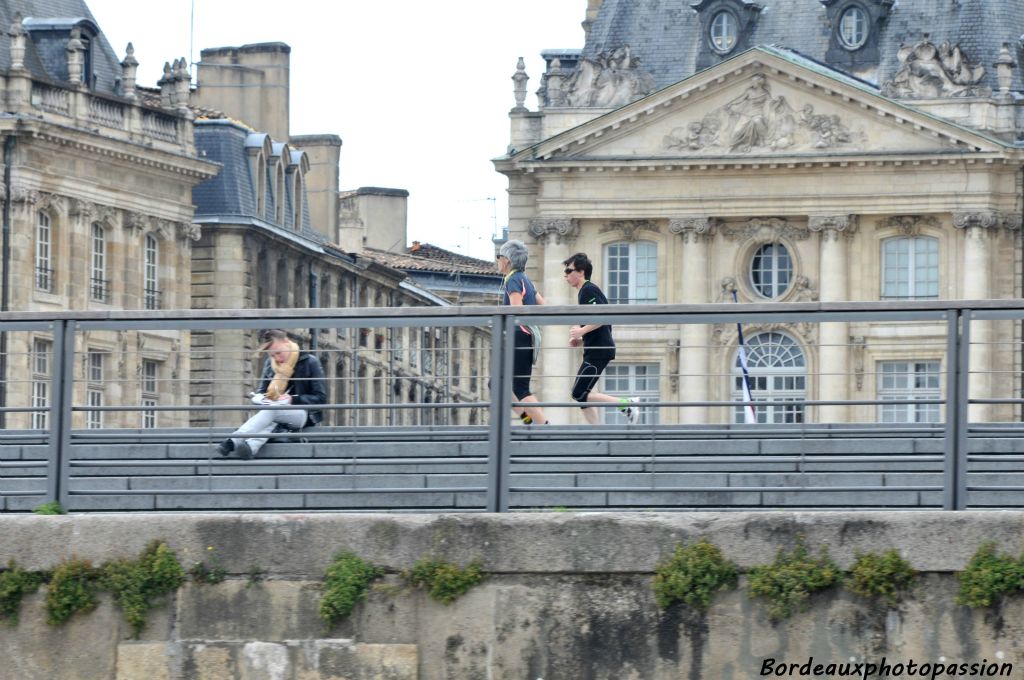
[[208, 574], [989, 576], [15, 583], [887, 576], [788, 582], [346, 581], [693, 575], [50, 508], [138, 584], [444, 581], [73, 588]]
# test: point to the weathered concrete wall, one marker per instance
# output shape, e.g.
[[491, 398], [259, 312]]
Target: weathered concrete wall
[[569, 598]]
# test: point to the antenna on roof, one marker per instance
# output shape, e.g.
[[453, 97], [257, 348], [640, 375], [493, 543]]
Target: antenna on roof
[[191, 38]]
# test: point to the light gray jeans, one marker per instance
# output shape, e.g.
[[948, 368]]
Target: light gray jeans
[[264, 422]]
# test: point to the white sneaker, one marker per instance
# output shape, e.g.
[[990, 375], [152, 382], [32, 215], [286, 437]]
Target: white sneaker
[[633, 411]]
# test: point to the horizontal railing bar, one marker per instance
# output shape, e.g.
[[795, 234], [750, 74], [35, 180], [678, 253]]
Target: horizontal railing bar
[[203, 492], [717, 489]]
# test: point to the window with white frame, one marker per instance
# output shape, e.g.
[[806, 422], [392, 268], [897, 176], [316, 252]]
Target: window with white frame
[[44, 253], [41, 358], [95, 361], [631, 272], [905, 381], [910, 268], [98, 284], [771, 270], [151, 273], [150, 396], [641, 381], [778, 373]]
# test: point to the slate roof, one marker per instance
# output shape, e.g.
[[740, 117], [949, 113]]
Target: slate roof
[[45, 65], [666, 34], [429, 258]]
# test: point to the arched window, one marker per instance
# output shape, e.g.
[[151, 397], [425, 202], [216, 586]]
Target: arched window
[[297, 202], [44, 253], [910, 268], [261, 186], [631, 272], [771, 270], [778, 372], [279, 195], [99, 286], [151, 273]]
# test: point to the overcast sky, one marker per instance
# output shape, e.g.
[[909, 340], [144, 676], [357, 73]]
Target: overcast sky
[[419, 92]]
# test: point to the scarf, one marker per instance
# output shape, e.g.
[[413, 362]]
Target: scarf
[[282, 373]]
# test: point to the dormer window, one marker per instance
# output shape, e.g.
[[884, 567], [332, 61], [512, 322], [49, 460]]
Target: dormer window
[[52, 37], [727, 26], [853, 27], [723, 32]]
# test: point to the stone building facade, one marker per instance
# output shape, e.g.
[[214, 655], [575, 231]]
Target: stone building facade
[[877, 157], [97, 195]]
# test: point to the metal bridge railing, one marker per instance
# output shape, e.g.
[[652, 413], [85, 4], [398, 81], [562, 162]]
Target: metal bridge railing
[[441, 377]]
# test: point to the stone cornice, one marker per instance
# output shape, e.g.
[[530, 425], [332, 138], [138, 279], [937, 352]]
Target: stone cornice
[[158, 159]]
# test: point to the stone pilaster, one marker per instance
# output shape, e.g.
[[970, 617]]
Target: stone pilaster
[[555, 238], [696, 234], [978, 231], [833, 350]]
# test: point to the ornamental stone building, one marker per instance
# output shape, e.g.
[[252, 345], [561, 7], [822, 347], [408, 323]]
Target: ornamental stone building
[[97, 195], [784, 150]]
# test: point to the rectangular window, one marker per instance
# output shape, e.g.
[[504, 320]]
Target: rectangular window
[[909, 380], [98, 284], [427, 352], [44, 252], [910, 268], [150, 396], [41, 358], [631, 273], [632, 380], [151, 274], [94, 393]]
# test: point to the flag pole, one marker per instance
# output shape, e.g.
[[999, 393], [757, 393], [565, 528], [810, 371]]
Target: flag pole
[[749, 415]]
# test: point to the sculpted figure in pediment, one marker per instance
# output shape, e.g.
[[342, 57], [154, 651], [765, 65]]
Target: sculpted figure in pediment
[[927, 71], [613, 79], [757, 121]]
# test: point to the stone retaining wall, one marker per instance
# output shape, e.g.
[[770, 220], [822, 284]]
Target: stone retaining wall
[[569, 597]]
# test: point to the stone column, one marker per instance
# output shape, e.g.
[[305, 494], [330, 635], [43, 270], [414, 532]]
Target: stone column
[[555, 238], [979, 229], [834, 374], [696, 234]]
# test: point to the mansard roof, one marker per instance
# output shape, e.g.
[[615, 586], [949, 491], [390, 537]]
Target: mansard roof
[[430, 258], [668, 37], [58, 15]]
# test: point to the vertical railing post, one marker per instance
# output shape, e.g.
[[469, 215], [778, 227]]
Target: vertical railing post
[[499, 436], [61, 383], [954, 480]]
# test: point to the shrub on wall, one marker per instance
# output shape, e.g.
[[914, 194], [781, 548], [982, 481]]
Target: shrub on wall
[[693, 575], [444, 581], [73, 588], [15, 583], [887, 576], [788, 582], [347, 579], [138, 584], [989, 576]]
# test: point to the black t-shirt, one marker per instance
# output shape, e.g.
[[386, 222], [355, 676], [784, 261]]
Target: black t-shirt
[[590, 294]]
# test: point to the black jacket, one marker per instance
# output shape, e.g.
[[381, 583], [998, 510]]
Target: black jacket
[[306, 385]]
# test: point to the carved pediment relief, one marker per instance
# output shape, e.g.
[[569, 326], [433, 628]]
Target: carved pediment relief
[[927, 71], [909, 225], [612, 79], [757, 121]]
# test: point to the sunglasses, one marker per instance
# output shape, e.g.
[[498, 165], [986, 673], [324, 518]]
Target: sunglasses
[[570, 271]]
